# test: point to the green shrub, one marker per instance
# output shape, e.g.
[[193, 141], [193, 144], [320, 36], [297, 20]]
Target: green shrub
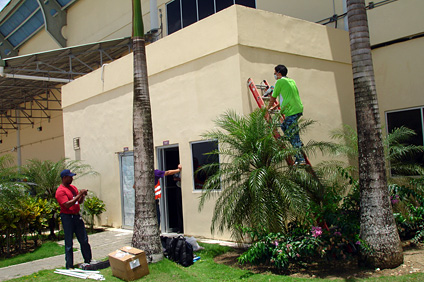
[[93, 206], [408, 206], [300, 246]]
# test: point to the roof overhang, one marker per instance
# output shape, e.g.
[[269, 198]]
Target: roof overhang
[[26, 80]]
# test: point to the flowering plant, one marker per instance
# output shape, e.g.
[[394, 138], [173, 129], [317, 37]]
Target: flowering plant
[[300, 245]]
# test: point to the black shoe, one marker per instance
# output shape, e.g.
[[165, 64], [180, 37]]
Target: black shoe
[[300, 163]]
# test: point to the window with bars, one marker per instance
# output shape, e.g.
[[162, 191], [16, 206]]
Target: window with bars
[[182, 13]]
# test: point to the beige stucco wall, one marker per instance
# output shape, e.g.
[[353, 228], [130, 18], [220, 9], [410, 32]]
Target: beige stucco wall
[[43, 145], [386, 22], [303, 9], [398, 75], [395, 20], [190, 86]]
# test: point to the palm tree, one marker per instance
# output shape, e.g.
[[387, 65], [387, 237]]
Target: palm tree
[[259, 189], [146, 231], [378, 228]]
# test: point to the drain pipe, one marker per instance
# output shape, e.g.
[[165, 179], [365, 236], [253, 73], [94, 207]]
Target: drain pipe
[[346, 26], [31, 77], [154, 24]]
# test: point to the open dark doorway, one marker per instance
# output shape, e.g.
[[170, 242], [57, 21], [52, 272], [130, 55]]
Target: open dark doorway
[[171, 209]]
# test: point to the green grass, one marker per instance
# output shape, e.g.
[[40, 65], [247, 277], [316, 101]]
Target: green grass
[[203, 270], [47, 249]]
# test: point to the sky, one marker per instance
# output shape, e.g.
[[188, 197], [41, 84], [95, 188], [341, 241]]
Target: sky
[[3, 3]]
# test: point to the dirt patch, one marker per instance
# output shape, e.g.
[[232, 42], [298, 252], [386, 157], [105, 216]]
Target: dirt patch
[[413, 262]]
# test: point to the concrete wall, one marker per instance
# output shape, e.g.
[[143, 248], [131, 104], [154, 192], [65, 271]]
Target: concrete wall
[[398, 75], [190, 86]]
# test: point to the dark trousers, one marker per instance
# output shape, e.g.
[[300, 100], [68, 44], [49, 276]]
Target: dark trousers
[[158, 211], [74, 224], [290, 128]]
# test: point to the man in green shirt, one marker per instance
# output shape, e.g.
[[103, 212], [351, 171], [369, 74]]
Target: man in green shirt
[[286, 91]]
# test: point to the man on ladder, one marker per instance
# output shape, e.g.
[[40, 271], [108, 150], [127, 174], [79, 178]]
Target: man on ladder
[[291, 107]]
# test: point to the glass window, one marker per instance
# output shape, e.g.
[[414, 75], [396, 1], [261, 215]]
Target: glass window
[[412, 119], [189, 12], [173, 13], [247, 3], [182, 13], [222, 4], [200, 158], [206, 8]]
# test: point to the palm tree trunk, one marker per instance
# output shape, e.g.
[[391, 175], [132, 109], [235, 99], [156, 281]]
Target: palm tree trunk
[[378, 228], [146, 231]]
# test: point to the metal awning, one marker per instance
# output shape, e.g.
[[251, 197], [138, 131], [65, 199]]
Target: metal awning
[[29, 82]]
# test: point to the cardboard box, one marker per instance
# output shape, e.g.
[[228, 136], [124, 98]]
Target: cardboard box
[[128, 263]]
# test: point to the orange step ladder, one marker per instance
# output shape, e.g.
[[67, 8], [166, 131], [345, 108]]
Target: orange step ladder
[[261, 104]]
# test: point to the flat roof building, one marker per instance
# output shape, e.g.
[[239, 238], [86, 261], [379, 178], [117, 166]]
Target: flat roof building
[[198, 66]]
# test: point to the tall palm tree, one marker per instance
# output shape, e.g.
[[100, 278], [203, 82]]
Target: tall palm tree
[[258, 189], [378, 228], [146, 231]]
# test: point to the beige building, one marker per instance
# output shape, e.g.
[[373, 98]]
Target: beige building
[[198, 70]]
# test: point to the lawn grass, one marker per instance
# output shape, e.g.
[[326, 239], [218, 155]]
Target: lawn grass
[[47, 249], [203, 270]]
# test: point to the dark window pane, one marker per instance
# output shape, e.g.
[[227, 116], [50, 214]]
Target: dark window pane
[[206, 8], [222, 4], [200, 159], [411, 119], [173, 13], [247, 3], [189, 12]]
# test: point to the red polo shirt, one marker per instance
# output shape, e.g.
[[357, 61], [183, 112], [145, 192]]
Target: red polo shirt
[[64, 194]]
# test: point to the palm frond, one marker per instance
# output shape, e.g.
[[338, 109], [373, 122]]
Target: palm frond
[[252, 184]]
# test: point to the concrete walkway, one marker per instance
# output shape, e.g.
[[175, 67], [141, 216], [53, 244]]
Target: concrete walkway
[[102, 244]]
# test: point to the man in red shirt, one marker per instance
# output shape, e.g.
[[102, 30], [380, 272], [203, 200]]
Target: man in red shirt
[[69, 199]]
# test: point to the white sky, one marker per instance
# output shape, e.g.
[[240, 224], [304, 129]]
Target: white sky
[[3, 3]]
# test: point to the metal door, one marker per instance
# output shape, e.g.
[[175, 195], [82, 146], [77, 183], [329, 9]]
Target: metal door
[[126, 168]]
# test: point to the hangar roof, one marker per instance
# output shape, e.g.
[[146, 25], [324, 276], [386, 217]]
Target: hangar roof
[[26, 79]]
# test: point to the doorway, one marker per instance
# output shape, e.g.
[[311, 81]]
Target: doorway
[[171, 209]]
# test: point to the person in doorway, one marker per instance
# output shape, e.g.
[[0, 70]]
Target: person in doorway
[[70, 199], [158, 193], [286, 91]]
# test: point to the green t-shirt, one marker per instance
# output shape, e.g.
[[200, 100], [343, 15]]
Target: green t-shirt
[[286, 90]]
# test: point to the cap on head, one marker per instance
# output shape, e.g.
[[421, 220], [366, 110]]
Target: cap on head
[[66, 172]]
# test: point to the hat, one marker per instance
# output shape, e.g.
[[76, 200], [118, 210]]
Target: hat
[[66, 172]]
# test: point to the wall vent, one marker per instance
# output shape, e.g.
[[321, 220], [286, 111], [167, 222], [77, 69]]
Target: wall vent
[[76, 143]]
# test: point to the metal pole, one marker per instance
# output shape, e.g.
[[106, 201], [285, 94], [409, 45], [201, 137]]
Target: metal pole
[[18, 141], [346, 27]]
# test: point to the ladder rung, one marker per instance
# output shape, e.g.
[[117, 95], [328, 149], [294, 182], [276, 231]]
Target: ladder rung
[[261, 86]]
